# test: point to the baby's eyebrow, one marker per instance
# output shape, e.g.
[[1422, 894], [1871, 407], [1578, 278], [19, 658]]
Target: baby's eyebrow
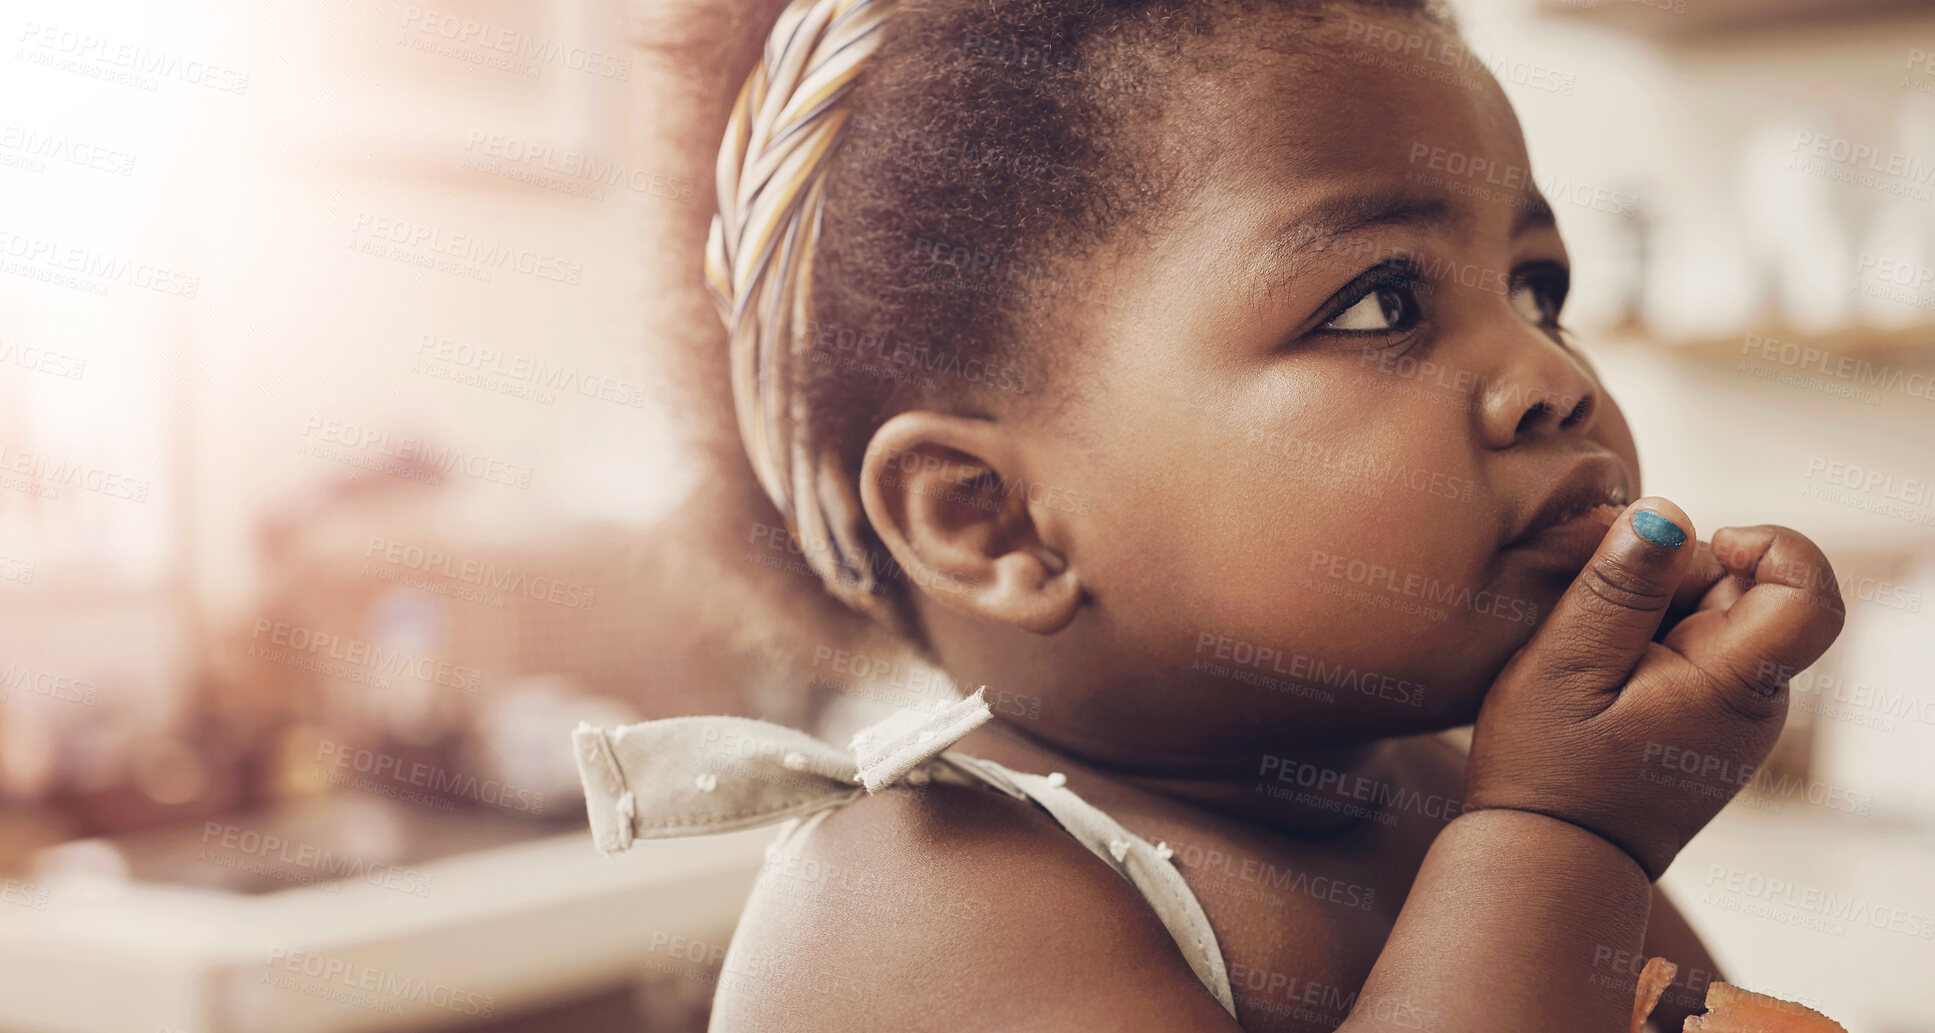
[[1324, 224], [1340, 218], [1534, 213], [1342, 215]]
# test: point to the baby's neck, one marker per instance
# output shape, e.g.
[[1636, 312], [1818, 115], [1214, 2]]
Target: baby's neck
[[1306, 793]]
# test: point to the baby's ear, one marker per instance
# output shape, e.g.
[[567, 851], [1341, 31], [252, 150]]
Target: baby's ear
[[947, 498]]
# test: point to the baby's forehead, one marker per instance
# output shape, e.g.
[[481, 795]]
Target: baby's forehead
[[1283, 121]]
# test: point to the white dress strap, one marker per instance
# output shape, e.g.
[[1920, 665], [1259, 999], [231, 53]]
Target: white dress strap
[[695, 776], [1148, 868]]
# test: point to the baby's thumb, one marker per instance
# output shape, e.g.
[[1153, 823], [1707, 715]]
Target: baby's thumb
[[1600, 628]]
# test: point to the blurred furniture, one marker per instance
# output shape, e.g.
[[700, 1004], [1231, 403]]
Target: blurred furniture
[[500, 931]]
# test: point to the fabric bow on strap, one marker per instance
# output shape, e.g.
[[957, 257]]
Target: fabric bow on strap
[[693, 776]]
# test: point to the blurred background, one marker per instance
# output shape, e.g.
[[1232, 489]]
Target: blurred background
[[361, 431]]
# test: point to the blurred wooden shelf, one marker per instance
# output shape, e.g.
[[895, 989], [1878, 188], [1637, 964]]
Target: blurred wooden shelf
[[1908, 347], [1690, 20]]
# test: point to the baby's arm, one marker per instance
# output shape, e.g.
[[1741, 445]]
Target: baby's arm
[[1501, 930], [1520, 905]]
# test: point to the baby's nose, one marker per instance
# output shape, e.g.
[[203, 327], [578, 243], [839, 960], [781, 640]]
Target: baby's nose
[[1540, 389]]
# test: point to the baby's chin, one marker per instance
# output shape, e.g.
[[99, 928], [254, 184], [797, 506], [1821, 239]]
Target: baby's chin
[[1449, 700], [1456, 704], [1466, 620], [1456, 679], [1466, 678]]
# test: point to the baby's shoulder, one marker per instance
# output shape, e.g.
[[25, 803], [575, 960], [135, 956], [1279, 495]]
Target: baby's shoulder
[[923, 907]]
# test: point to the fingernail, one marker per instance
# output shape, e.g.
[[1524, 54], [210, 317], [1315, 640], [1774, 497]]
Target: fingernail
[[1657, 529]]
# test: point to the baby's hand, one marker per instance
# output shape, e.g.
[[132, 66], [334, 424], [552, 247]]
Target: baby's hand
[[1582, 716]]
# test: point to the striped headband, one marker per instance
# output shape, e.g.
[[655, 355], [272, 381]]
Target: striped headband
[[759, 268]]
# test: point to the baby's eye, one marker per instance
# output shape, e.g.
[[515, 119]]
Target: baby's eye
[[1381, 310], [1539, 294]]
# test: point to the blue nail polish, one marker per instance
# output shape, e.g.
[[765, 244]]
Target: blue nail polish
[[1657, 529]]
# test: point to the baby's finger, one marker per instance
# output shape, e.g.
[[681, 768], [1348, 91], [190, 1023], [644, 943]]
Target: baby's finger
[[1785, 621], [1704, 572], [1705, 578], [1604, 622], [1723, 595]]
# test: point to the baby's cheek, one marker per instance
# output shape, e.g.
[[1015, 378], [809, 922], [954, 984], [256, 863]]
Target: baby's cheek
[[1404, 585], [1288, 517]]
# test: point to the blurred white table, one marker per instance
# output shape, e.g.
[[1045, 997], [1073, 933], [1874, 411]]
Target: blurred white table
[[512, 926]]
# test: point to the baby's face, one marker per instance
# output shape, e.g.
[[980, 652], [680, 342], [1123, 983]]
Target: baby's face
[[1332, 447]]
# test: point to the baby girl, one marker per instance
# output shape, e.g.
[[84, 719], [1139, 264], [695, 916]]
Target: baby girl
[[1123, 358]]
